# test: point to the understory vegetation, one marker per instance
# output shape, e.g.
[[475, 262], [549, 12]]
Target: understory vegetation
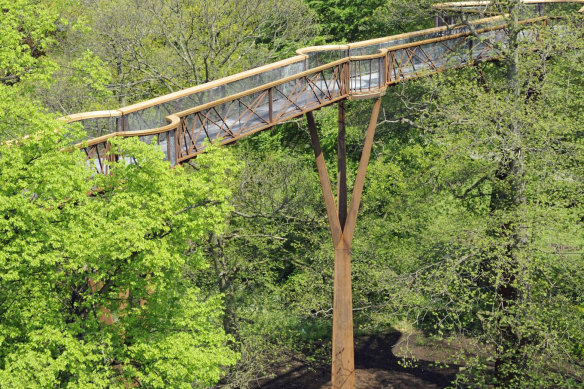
[[213, 273]]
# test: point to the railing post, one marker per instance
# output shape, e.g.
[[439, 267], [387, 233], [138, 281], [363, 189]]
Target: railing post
[[346, 67], [124, 120], [271, 102], [178, 135], [381, 70], [389, 66]]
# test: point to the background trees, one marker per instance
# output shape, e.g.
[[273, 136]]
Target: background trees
[[466, 214], [157, 46], [34, 79], [503, 135], [25, 33]]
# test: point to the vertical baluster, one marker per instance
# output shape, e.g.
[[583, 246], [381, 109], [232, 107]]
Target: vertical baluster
[[271, 105]]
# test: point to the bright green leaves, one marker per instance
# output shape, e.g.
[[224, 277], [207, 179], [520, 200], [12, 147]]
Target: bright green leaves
[[19, 115], [88, 69], [354, 20], [188, 349], [52, 355], [36, 66], [26, 31], [78, 248], [346, 20]]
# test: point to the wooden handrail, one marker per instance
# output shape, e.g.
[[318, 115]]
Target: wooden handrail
[[303, 54], [383, 80]]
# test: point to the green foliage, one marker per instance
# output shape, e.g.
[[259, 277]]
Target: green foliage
[[215, 262], [511, 160], [19, 115], [154, 47], [79, 249], [403, 15], [346, 20], [31, 75], [351, 21], [26, 32]]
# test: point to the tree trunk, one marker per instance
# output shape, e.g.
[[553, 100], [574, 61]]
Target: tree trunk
[[225, 284], [507, 198]]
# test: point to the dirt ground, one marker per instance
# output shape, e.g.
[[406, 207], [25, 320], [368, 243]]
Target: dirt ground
[[376, 366]]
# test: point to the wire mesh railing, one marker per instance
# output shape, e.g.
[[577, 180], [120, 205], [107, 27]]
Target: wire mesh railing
[[225, 110]]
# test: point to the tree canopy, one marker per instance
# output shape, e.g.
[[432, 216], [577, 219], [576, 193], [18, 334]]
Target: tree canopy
[[96, 284]]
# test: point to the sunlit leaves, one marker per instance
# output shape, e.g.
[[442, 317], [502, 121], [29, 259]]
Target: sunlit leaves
[[78, 248]]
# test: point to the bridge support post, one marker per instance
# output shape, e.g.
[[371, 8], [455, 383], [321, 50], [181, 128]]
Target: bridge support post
[[342, 166], [342, 225]]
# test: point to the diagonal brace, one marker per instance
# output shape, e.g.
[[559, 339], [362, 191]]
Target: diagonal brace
[[349, 228], [325, 182]]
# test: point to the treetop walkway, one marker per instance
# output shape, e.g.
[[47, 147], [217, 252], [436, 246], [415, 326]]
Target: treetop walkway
[[236, 106]]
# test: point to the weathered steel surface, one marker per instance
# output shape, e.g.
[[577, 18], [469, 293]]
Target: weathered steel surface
[[342, 227]]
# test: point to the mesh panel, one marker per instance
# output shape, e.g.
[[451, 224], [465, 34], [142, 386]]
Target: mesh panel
[[155, 116], [239, 116], [99, 126], [366, 75], [319, 58]]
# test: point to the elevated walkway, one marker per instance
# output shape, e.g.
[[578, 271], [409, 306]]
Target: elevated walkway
[[233, 107]]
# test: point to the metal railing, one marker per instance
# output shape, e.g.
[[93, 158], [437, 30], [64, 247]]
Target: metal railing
[[233, 107]]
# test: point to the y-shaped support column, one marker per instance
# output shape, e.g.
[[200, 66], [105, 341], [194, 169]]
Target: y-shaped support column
[[343, 363]]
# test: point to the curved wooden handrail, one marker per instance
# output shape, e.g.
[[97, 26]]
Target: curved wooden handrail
[[348, 79], [303, 54]]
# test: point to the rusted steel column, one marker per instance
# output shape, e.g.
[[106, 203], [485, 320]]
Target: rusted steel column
[[325, 183], [349, 227], [342, 166], [343, 357], [343, 362], [343, 372]]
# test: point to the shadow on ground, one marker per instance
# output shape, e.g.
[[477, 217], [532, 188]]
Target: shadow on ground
[[376, 366]]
